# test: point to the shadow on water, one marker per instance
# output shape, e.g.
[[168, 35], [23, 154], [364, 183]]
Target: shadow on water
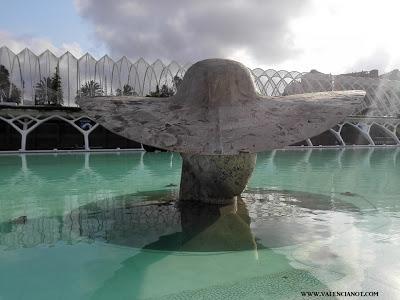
[[156, 220], [160, 228], [210, 229]]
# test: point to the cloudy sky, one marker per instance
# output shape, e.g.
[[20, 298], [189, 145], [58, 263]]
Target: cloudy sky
[[331, 35]]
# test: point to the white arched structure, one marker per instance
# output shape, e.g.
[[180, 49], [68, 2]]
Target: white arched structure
[[25, 124], [390, 126], [27, 69], [381, 112], [26, 121]]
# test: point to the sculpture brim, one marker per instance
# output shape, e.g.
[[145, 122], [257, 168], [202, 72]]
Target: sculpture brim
[[253, 125]]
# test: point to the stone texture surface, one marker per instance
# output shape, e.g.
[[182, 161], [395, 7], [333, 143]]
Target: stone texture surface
[[217, 112], [217, 122], [215, 179]]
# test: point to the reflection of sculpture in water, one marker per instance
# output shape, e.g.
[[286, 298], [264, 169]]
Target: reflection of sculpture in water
[[154, 220], [168, 241], [216, 227], [169, 226], [207, 229], [218, 123]]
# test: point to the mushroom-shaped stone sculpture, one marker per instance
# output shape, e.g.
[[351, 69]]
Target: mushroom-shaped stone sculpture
[[218, 123]]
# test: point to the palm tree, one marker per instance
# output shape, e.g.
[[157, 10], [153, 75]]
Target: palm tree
[[43, 91], [91, 89], [48, 91]]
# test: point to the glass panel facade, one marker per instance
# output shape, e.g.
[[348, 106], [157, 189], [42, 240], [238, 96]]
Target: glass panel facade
[[32, 76]]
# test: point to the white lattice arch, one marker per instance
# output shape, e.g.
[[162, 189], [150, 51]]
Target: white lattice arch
[[29, 123]]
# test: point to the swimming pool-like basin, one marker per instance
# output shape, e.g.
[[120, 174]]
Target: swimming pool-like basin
[[107, 226]]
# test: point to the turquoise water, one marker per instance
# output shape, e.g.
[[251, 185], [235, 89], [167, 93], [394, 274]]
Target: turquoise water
[[106, 226]]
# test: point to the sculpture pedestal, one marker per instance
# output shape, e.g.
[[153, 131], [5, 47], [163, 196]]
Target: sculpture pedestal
[[217, 179]]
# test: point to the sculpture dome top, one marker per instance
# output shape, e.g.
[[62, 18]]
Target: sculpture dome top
[[217, 111], [216, 82]]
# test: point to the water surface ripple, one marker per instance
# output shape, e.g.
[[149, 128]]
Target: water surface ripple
[[108, 226]]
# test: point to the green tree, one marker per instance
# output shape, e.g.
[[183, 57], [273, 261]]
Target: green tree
[[56, 88], [165, 91], [48, 91], [15, 95], [8, 91], [127, 90], [4, 78], [177, 82], [91, 89]]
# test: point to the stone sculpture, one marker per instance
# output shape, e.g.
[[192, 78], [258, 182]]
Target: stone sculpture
[[218, 123]]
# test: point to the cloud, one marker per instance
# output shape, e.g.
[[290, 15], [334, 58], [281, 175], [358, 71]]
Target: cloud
[[37, 44], [186, 31], [340, 36], [332, 36], [378, 59]]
